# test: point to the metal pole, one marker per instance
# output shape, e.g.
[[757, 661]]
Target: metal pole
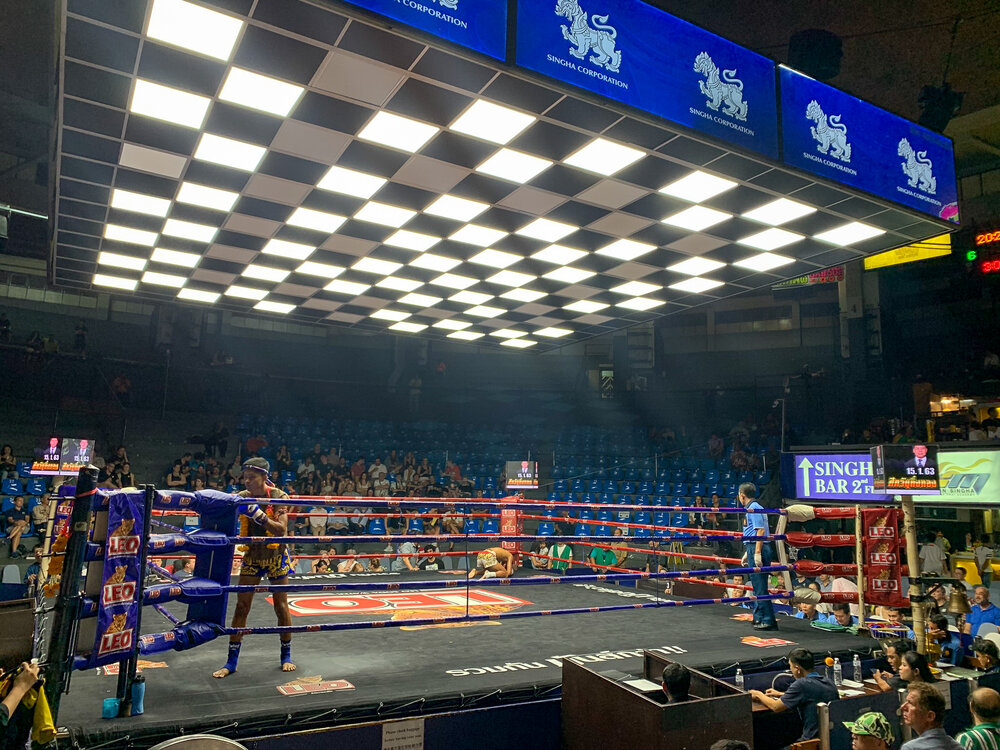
[[783, 424], [859, 557], [913, 563], [166, 375], [68, 602]]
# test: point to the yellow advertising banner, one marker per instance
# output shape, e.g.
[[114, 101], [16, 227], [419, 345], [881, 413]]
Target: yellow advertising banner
[[934, 247]]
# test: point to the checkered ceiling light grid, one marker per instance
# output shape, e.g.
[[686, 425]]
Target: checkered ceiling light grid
[[292, 159]]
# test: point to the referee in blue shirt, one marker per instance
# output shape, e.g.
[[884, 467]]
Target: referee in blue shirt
[[758, 553]]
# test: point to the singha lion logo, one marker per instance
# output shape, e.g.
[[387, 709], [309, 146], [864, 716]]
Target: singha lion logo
[[831, 134], [727, 90], [450, 4], [917, 167], [600, 38]]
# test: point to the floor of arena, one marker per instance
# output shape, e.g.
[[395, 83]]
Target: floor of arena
[[396, 671]]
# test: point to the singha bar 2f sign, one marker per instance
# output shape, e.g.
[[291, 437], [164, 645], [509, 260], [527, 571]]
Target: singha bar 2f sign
[[480, 25], [641, 56], [835, 135]]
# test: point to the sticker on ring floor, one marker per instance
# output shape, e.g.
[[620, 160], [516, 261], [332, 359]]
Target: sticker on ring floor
[[754, 640], [431, 603], [312, 685]]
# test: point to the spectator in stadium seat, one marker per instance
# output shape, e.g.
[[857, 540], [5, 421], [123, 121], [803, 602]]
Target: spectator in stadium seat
[[17, 525], [716, 446], [125, 476], [676, 683], [914, 668], [894, 650], [377, 469], [894, 616], [984, 705], [654, 561], [184, 568], [40, 513], [538, 557], [932, 557], [809, 613], [562, 555], [809, 689], [988, 655], [729, 745], [870, 731], [951, 643], [924, 711], [8, 462], [406, 559], [350, 564], [982, 611], [842, 616], [175, 478], [564, 524], [358, 468], [363, 486], [33, 573]]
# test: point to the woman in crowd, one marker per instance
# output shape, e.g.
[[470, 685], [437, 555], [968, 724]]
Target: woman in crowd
[[283, 459], [364, 487], [914, 668], [8, 462], [988, 655]]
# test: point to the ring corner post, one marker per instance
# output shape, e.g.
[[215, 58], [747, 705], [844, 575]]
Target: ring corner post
[[67, 606], [913, 564], [127, 668]]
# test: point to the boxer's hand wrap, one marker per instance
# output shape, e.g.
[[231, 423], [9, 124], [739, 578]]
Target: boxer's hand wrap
[[758, 560]]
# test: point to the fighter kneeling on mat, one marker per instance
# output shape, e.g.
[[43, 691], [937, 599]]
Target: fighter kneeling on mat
[[493, 562]]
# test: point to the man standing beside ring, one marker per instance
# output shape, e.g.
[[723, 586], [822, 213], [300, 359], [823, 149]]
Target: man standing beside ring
[[262, 559], [757, 553]]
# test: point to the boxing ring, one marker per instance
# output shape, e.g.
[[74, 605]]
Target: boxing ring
[[372, 646]]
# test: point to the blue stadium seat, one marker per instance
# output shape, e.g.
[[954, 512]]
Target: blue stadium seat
[[680, 488], [587, 515], [594, 485], [603, 530], [376, 526], [762, 477], [553, 497], [744, 476], [661, 519], [727, 477], [546, 528], [471, 526], [36, 487], [640, 500], [577, 485], [12, 487], [582, 529], [415, 524], [732, 490], [642, 516], [712, 475], [661, 488], [712, 489], [660, 499], [627, 488], [645, 488], [698, 488], [491, 525], [561, 485], [603, 515], [640, 533], [606, 498]]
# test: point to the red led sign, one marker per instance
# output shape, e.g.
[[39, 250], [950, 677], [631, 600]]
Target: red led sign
[[988, 238]]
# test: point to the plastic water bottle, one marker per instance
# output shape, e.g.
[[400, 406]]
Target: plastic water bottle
[[838, 673], [739, 678], [138, 694], [858, 674]]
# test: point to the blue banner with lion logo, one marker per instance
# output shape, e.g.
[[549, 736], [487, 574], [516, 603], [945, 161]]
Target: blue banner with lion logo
[[118, 604], [477, 24], [639, 55]]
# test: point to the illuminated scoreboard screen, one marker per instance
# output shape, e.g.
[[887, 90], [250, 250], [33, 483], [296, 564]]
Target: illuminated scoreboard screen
[[522, 475]]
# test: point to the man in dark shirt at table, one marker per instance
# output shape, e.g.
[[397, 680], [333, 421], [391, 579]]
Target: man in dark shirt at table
[[810, 687], [676, 683]]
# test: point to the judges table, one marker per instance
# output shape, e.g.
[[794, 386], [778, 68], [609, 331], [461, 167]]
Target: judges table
[[609, 710]]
